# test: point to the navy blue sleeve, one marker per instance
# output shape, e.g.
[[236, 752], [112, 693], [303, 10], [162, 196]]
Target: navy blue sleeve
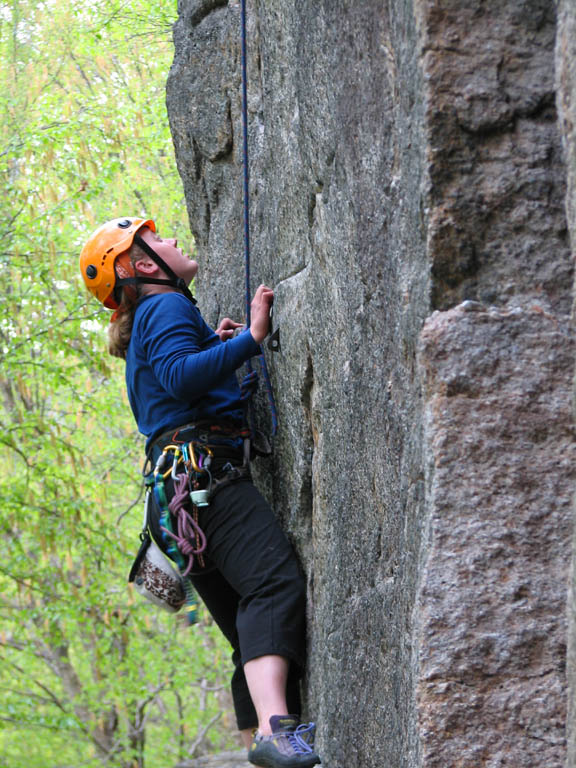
[[187, 357]]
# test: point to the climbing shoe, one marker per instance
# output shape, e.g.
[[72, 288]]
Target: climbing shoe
[[290, 745]]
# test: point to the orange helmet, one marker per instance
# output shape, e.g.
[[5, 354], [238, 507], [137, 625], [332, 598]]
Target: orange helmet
[[104, 260]]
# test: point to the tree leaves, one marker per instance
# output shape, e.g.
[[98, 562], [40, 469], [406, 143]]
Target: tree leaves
[[90, 676]]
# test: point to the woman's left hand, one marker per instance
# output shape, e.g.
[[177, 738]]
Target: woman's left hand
[[226, 328]]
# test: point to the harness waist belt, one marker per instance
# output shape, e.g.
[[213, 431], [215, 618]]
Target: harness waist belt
[[222, 437]]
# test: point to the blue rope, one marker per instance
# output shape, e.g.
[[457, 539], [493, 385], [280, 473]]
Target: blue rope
[[270, 393], [263, 365], [246, 168]]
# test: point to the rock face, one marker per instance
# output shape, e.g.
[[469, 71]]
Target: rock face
[[492, 605], [566, 97], [407, 195]]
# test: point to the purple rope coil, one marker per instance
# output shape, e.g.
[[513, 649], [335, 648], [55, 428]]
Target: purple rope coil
[[188, 530]]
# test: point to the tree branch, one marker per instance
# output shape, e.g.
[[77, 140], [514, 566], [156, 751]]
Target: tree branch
[[202, 734]]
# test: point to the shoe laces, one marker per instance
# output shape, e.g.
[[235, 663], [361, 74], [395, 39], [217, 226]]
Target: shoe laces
[[297, 738]]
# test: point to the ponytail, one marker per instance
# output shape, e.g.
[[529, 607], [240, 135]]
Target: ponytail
[[120, 328]]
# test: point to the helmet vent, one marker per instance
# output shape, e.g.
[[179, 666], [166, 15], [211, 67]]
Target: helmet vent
[[91, 271], [124, 224]]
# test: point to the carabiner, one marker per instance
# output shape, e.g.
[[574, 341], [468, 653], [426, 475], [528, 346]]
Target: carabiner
[[161, 461], [197, 467], [159, 464], [193, 461], [175, 462]]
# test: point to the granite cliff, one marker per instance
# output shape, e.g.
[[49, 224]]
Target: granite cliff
[[413, 190]]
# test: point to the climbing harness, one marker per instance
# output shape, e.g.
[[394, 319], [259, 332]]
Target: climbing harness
[[195, 462], [274, 341]]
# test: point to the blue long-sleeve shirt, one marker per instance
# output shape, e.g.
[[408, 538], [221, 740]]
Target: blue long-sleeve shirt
[[178, 370]]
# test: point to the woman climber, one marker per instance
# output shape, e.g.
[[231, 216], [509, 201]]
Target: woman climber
[[182, 387]]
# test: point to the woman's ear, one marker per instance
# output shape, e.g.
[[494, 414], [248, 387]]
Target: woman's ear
[[146, 266]]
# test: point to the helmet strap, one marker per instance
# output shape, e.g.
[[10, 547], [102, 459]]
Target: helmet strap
[[173, 279]]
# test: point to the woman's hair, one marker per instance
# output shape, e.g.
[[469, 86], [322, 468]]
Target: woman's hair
[[120, 328]]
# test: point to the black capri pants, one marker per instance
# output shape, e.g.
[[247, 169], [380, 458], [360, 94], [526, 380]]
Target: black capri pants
[[254, 589]]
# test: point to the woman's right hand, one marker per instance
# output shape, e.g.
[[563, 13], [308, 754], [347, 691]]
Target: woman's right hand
[[260, 313]]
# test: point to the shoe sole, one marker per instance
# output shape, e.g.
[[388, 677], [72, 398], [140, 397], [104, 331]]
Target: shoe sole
[[270, 762]]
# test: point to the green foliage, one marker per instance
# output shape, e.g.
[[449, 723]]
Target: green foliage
[[89, 675]]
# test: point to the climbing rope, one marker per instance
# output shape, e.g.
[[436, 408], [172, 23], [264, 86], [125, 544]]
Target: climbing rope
[[189, 537], [245, 162], [246, 184]]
